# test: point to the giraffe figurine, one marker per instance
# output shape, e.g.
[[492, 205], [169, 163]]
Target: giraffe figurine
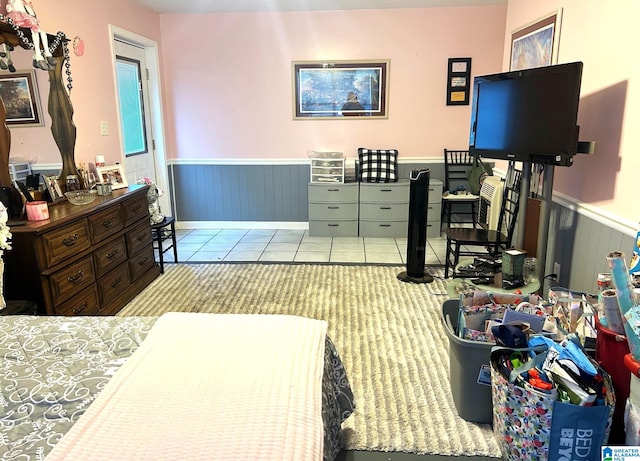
[[22, 13]]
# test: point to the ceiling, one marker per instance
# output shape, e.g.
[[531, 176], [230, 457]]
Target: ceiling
[[228, 6]]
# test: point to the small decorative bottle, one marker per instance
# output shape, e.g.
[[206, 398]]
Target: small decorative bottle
[[72, 183]]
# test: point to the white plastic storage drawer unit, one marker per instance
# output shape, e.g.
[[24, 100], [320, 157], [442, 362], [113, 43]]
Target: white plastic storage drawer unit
[[434, 208], [384, 209], [327, 170], [333, 210]]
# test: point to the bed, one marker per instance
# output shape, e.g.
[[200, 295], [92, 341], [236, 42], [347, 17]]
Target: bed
[[188, 386]]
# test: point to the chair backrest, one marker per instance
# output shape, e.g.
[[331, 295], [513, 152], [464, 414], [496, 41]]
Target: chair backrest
[[457, 164], [510, 203]]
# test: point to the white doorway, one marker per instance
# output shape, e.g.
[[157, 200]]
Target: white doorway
[[135, 120], [135, 59]]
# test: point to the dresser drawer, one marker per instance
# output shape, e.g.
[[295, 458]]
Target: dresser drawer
[[113, 284], [433, 229], [138, 237], [105, 223], [333, 211], [134, 209], [70, 280], [384, 192], [384, 229], [141, 263], [435, 191], [60, 244], [85, 303], [433, 210], [333, 228], [109, 256], [333, 193], [384, 211]]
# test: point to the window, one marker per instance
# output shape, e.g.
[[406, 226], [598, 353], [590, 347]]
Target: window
[[129, 78]]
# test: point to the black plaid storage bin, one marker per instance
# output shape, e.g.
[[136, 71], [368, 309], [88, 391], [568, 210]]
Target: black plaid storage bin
[[378, 165]]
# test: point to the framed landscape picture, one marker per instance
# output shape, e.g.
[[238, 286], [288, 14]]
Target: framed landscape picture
[[19, 93], [536, 44], [339, 89]]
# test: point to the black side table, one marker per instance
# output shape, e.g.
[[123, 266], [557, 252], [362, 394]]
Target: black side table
[[20, 308]]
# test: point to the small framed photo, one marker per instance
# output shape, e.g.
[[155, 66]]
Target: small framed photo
[[458, 81], [53, 187], [113, 174]]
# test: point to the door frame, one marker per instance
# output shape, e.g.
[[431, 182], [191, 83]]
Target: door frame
[[155, 107]]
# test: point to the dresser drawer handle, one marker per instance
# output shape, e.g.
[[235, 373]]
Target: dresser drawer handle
[[385, 207], [141, 236], [333, 207], [107, 222], [81, 308], [385, 225], [71, 240], [77, 277], [333, 190], [112, 254], [333, 225], [385, 190], [116, 282], [136, 208], [142, 262]]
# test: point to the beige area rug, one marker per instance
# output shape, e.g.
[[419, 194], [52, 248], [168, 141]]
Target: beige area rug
[[388, 333]]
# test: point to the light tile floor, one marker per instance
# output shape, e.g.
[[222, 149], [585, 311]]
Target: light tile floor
[[287, 245]]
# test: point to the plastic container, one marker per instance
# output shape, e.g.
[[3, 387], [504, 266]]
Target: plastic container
[[611, 349], [469, 370], [632, 410]]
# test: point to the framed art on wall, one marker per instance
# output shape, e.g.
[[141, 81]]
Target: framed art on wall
[[338, 89], [536, 44], [19, 92], [113, 174], [458, 81]]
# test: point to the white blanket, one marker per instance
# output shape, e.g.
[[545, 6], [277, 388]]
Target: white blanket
[[209, 386]]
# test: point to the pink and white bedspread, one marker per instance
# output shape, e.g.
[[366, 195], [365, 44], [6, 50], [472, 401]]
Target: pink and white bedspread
[[199, 386]]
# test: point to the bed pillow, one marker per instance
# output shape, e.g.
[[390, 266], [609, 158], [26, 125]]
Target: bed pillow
[[378, 165]]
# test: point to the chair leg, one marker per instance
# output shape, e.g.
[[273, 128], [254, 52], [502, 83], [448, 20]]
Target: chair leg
[[173, 239], [160, 250], [473, 214], [446, 259], [456, 256]]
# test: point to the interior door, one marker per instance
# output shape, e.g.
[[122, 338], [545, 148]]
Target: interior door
[[135, 122]]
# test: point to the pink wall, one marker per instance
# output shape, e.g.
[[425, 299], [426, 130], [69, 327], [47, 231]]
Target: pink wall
[[229, 85], [603, 36], [93, 93]]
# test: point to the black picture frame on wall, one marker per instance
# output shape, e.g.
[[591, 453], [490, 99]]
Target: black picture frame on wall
[[340, 89], [458, 81]]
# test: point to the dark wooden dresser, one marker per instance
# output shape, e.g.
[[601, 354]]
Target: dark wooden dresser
[[85, 259]]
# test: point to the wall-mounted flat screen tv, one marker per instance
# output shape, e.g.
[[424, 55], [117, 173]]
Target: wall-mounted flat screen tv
[[527, 115]]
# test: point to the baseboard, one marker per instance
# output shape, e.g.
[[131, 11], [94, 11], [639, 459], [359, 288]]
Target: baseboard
[[241, 225]]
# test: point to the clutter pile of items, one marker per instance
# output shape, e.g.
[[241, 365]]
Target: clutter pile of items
[[557, 377]]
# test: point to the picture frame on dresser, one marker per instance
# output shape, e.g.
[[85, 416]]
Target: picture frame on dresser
[[113, 174], [53, 187], [340, 89]]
